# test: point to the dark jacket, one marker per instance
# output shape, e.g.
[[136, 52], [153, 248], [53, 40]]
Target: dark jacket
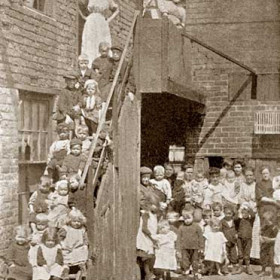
[[190, 237], [229, 232]]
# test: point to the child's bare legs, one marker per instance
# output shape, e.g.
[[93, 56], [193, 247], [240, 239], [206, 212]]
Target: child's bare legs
[[273, 271], [218, 267], [148, 268], [263, 271]]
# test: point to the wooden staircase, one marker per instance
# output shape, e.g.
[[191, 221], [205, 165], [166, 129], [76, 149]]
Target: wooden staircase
[[103, 216]]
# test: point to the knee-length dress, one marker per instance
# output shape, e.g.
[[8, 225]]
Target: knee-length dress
[[96, 28], [166, 253], [214, 246]]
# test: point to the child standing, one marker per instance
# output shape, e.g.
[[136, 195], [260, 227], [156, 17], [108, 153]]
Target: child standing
[[215, 246], [190, 243], [244, 226], [217, 209], [58, 150], [75, 241], [74, 162], [90, 105], [178, 193], [85, 73], [214, 191], [199, 185], [104, 65], [59, 204], [19, 267], [165, 252], [83, 135], [227, 165], [269, 232], [49, 263], [231, 190], [248, 189], [40, 199], [205, 222], [229, 230], [162, 184], [76, 196], [145, 243], [68, 99]]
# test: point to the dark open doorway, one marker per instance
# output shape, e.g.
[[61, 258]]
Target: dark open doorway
[[167, 119]]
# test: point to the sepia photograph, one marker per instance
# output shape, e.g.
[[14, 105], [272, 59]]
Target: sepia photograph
[[139, 139]]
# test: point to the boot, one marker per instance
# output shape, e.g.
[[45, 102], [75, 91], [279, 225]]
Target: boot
[[225, 270], [236, 269], [249, 270]]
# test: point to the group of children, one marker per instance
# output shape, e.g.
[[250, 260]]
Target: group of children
[[195, 226], [82, 102], [55, 243]]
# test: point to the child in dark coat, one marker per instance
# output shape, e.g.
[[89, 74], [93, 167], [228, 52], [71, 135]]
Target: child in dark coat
[[178, 193], [229, 230], [244, 226], [103, 65], [17, 259], [268, 236], [189, 243], [73, 163], [58, 150]]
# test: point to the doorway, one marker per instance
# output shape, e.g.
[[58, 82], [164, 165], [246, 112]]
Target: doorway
[[166, 119]]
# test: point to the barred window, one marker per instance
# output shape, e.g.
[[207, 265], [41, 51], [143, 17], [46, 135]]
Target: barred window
[[34, 127], [267, 122]]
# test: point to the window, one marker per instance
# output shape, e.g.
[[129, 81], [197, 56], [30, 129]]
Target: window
[[44, 6], [267, 122], [34, 127]]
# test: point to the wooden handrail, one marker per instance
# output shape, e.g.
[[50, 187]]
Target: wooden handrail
[[254, 74], [218, 52], [104, 112]]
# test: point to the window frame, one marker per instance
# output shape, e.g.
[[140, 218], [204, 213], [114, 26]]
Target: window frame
[[37, 98], [47, 9]]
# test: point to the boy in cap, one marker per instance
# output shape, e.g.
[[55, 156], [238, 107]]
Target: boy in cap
[[68, 99]]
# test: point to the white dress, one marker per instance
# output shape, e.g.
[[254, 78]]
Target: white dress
[[277, 249], [256, 248], [58, 210], [143, 242], [75, 246], [166, 253], [214, 246], [96, 28], [51, 269]]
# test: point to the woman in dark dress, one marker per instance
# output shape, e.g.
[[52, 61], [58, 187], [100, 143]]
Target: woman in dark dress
[[264, 194], [267, 210]]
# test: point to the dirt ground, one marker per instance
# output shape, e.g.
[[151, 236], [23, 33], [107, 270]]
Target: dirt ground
[[243, 276]]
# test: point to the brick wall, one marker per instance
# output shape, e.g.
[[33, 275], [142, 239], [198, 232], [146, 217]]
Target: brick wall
[[8, 164], [35, 52], [249, 31]]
